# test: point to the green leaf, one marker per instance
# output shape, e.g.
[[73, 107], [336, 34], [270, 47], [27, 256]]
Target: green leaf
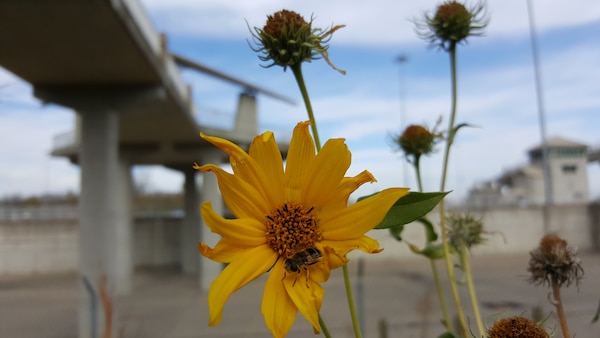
[[409, 208], [447, 335], [430, 233], [396, 232], [433, 251]]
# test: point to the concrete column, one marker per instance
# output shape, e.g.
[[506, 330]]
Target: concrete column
[[99, 209], [209, 270], [246, 121], [191, 224], [123, 243]]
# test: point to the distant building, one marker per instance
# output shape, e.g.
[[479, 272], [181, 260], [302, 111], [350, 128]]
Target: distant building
[[524, 185]]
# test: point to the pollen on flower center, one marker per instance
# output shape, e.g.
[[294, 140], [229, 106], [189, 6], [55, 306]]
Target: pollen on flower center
[[292, 228]]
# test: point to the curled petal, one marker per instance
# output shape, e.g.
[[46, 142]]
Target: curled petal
[[223, 252], [243, 165], [334, 259], [238, 273], [243, 200], [347, 187], [364, 243]]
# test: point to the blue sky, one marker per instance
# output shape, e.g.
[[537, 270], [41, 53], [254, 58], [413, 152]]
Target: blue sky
[[496, 88]]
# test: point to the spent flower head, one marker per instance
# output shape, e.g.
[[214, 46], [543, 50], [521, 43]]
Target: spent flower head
[[287, 39], [516, 327], [464, 229], [553, 262], [452, 23]]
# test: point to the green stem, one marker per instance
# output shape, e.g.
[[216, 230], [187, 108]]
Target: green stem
[[436, 276], [297, 70], [465, 261], [355, 323], [449, 265], [418, 172], [440, 292], [324, 327]]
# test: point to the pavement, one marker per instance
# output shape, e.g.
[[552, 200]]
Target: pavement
[[397, 297]]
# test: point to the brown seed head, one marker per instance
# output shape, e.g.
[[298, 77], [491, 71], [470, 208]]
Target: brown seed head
[[283, 20], [513, 327], [416, 140], [553, 262]]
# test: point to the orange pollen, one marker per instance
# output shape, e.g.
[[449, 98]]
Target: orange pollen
[[292, 228]]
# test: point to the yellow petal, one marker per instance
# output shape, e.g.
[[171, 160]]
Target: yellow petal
[[356, 220], [307, 295], [347, 187], [277, 307], [364, 243], [325, 173], [238, 273], [300, 155], [241, 198], [245, 231], [333, 258], [224, 251], [244, 166], [265, 151]]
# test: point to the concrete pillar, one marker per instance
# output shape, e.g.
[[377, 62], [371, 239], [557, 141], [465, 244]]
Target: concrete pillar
[[246, 121], [191, 224], [123, 240], [209, 270], [99, 215]]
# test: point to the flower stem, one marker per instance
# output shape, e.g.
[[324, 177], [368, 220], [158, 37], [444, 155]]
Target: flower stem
[[355, 322], [324, 327], [466, 264], [449, 265], [436, 276], [297, 70], [560, 312]]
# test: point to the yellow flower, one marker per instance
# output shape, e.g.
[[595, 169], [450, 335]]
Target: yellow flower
[[294, 223]]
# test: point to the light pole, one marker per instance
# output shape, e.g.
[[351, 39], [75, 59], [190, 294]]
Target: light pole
[[548, 187], [401, 60]]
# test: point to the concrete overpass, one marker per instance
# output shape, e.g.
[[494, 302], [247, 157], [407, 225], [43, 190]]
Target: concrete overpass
[[103, 59]]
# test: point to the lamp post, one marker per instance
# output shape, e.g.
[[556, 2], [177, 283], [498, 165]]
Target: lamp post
[[401, 60], [548, 187]]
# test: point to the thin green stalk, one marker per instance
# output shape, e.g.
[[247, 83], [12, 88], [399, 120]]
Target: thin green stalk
[[324, 327], [466, 264], [355, 323], [440, 292], [436, 277], [297, 70], [449, 265]]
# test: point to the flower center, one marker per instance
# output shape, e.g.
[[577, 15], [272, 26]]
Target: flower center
[[292, 228]]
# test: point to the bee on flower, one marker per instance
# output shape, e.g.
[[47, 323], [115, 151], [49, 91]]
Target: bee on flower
[[293, 223]]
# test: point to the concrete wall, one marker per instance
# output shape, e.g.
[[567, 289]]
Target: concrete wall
[[45, 246], [510, 230], [37, 246]]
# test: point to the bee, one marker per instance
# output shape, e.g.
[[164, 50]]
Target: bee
[[302, 260]]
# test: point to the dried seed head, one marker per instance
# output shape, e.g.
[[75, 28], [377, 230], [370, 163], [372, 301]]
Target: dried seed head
[[516, 327], [452, 24], [553, 262]]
